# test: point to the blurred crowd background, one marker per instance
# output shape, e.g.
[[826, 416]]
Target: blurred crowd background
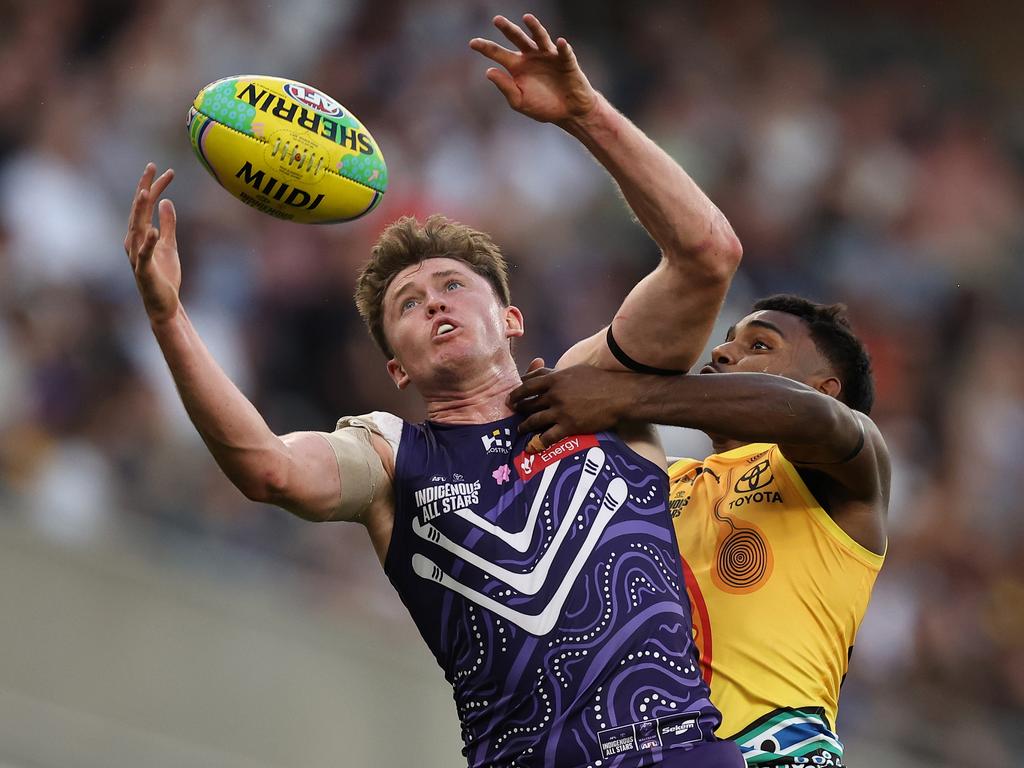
[[872, 155]]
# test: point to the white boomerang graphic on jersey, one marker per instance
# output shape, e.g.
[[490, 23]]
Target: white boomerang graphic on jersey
[[518, 540], [527, 583], [543, 622]]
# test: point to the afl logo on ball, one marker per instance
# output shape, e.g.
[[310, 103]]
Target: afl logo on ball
[[313, 99]]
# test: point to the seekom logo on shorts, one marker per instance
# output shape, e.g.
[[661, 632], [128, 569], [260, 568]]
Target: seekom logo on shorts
[[529, 465]]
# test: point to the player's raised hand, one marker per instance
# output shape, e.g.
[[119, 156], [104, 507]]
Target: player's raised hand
[[572, 401], [152, 252], [542, 79]]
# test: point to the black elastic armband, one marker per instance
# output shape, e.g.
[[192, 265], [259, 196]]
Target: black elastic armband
[[632, 364]]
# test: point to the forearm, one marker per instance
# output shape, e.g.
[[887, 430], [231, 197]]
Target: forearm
[[680, 218], [750, 407], [245, 448]]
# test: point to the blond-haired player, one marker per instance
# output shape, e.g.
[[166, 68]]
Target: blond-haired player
[[548, 590]]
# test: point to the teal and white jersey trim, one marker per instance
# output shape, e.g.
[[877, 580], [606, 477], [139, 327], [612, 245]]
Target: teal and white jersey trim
[[791, 737]]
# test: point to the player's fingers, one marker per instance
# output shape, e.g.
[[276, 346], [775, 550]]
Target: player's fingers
[[551, 436], [515, 34], [537, 422], [540, 35], [531, 387], [493, 51], [146, 249], [531, 405], [141, 213], [537, 373], [161, 183], [545, 439], [504, 82], [147, 201], [147, 176], [134, 208], [565, 52], [129, 238], [535, 365], [141, 217], [168, 223], [144, 208]]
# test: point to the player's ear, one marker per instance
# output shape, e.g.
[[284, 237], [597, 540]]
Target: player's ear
[[830, 386], [397, 373], [514, 325]]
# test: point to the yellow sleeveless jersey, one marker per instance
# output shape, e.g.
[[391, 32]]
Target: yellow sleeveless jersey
[[778, 591]]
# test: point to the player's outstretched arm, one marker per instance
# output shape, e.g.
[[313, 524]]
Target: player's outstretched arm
[[811, 428], [298, 471], [841, 449], [666, 320]]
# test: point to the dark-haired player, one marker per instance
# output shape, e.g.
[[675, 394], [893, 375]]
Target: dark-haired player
[[782, 529]]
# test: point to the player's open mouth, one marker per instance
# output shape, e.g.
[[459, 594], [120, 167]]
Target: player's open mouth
[[709, 369], [443, 329]]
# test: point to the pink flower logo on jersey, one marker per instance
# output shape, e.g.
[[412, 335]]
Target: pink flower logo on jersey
[[502, 474]]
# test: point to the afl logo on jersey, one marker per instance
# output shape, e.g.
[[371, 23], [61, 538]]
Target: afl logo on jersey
[[314, 99]]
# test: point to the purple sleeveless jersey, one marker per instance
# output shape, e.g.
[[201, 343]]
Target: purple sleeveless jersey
[[549, 589]]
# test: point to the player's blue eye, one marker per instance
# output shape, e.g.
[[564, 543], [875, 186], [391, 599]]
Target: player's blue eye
[[408, 304], [451, 283]]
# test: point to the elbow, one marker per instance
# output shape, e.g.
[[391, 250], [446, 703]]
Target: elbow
[[723, 252], [825, 424], [836, 428], [267, 486], [714, 259], [724, 256]]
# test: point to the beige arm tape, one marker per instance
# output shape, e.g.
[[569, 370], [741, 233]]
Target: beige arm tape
[[359, 468]]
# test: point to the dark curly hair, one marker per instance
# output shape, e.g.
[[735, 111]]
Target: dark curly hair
[[830, 329]]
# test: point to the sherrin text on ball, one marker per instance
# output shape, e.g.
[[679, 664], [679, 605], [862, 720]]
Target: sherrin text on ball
[[287, 149]]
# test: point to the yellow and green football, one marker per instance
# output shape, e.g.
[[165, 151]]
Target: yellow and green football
[[287, 149]]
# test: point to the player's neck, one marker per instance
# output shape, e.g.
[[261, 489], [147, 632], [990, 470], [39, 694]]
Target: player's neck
[[474, 400]]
